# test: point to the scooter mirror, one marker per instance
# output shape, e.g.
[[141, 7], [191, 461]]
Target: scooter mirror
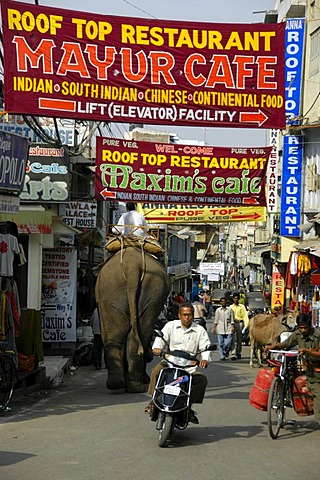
[[212, 348]]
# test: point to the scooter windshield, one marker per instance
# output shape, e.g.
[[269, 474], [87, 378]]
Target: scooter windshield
[[179, 361]]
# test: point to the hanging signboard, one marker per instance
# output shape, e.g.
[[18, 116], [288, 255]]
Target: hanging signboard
[[16, 124], [82, 65], [47, 175], [291, 191], [185, 174], [173, 213], [13, 161], [58, 296], [79, 214], [277, 287]]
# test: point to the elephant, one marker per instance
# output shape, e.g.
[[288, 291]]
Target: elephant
[[131, 290]]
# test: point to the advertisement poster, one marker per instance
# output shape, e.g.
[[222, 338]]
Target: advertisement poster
[[69, 64], [184, 174], [58, 299]]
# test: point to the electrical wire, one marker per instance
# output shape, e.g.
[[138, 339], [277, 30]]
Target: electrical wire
[[138, 8]]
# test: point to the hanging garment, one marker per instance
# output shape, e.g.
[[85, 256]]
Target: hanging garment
[[304, 264]]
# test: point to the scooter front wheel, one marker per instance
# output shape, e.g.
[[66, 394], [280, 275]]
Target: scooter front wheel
[[165, 430]]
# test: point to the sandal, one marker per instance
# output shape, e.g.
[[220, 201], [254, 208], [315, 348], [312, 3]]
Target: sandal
[[148, 408]]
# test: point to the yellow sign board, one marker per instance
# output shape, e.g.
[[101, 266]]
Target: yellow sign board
[[156, 213]]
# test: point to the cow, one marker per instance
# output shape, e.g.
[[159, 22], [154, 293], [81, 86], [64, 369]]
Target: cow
[[265, 328]]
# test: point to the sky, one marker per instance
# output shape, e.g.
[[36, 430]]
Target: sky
[[216, 11]]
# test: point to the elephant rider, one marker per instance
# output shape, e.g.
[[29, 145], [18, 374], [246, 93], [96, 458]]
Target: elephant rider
[[131, 223], [307, 339], [184, 334]]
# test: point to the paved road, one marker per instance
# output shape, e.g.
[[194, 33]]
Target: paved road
[[80, 431]]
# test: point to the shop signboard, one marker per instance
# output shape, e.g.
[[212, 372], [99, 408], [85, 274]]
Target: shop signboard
[[184, 174], [47, 176], [175, 213], [58, 294], [291, 186], [13, 160], [291, 191], [277, 287], [88, 66], [79, 214], [62, 128]]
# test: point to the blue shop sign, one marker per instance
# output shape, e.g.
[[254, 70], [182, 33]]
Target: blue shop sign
[[294, 41], [291, 188], [13, 161]]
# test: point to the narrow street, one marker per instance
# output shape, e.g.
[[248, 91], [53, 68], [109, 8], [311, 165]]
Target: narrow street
[[80, 430]]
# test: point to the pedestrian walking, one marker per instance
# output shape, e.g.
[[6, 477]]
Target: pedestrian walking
[[223, 327], [207, 301], [241, 320], [200, 312]]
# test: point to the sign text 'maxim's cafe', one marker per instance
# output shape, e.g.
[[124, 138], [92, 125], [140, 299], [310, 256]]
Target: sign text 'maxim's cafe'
[[185, 174], [70, 64]]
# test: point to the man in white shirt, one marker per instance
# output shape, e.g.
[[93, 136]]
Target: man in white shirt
[[184, 334], [130, 222]]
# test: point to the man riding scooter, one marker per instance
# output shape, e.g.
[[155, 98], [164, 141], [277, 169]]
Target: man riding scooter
[[184, 334]]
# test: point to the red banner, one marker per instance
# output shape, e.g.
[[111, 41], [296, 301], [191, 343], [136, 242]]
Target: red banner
[[185, 174], [70, 64]]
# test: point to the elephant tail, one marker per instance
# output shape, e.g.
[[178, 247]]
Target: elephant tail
[[134, 280]]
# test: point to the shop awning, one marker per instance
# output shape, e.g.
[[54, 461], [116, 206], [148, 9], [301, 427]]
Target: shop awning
[[30, 221], [312, 246], [260, 249], [58, 227]]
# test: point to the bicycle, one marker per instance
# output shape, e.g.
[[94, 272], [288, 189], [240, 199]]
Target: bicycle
[[281, 390], [7, 377]]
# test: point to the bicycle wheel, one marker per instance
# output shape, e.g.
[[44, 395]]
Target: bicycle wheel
[[276, 407], [7, 376]]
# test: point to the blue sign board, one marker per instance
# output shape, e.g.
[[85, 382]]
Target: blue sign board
[[291, 186], [290, 216], [13, 161], [294, 41]]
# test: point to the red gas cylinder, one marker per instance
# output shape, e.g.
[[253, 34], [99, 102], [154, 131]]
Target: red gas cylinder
[[259, 393], [302, 396]]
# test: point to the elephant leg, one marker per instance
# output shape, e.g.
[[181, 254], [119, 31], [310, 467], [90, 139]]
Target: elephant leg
[[136, 364], [115, 354], [135, 378]]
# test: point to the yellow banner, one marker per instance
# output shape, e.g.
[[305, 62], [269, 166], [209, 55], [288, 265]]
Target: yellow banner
[[155, 213]]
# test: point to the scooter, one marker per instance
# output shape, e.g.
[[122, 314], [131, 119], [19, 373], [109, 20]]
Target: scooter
[[171, 398]]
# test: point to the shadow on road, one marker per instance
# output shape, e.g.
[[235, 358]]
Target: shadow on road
[[11, 458]]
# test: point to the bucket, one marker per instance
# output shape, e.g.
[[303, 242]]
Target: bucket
[[259, 392], [302, 396]]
